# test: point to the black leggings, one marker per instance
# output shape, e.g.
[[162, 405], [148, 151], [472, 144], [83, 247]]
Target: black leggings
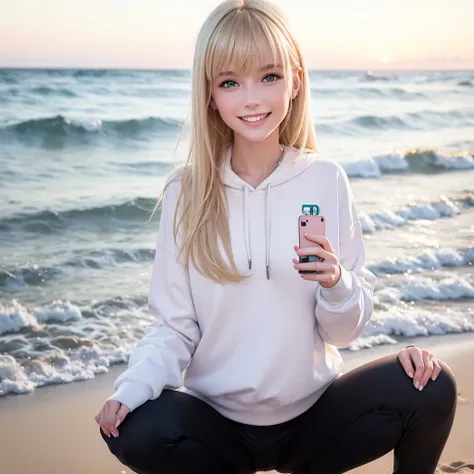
[[362, 415]]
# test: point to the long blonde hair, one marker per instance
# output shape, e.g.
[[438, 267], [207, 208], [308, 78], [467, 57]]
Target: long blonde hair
[[236, 32]]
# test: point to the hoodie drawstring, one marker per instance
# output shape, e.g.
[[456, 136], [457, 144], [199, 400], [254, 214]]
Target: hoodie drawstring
[[268, 228], [268, 223], [248, 247]]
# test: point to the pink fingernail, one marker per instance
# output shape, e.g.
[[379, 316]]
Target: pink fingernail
[[410, 374]]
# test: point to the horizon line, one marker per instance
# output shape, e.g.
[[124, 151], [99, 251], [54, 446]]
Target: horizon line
[[88, 68]]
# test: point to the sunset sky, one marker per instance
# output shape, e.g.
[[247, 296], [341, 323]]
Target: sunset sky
[[341, 34]]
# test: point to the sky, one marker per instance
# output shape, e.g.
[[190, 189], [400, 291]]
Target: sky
[[156, 34]]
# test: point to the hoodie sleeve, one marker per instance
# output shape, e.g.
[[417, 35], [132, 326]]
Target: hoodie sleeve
[[343, 311], [161, 355]]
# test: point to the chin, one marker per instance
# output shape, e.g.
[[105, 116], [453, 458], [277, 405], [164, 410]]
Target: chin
[[253, 138]]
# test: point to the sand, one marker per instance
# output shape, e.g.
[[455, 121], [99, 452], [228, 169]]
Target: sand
[[53, 431]]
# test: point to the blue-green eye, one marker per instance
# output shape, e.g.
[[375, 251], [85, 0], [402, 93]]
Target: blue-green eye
[[227, 82], [276, 76]]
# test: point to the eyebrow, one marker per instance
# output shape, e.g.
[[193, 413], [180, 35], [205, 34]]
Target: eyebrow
[[264, 68]]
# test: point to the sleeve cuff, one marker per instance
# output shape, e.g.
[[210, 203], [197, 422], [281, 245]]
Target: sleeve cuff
[[131, 394], [341, 291]]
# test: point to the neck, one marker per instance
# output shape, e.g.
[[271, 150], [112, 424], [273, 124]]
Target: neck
[[255, 161]]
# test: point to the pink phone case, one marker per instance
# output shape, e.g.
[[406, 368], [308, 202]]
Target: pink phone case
[[311, 225]]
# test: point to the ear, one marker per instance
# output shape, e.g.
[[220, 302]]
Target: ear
[[297, 80], [213, 104]]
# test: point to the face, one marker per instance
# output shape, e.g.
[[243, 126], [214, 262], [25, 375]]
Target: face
[[254, 105]]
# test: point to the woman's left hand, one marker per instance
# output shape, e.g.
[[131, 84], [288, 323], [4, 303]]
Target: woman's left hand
[[328, 270], [420, 365]]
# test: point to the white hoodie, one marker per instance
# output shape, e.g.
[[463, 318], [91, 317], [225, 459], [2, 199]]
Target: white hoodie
[[261, 351]]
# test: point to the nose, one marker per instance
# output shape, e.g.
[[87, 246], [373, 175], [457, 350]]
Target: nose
[[253, 97]]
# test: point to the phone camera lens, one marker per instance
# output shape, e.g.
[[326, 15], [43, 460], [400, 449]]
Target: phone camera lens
[[303, 223]]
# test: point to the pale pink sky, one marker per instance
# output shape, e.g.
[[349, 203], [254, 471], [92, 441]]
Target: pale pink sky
[[340, 34]]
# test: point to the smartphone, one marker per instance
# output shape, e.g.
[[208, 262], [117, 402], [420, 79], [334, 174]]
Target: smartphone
[[313, 225]]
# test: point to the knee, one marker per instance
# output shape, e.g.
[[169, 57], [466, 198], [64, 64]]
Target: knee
[[440, 396], [173, 453], [140, 449]]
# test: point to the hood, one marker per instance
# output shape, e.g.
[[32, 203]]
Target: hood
[[293, 163]]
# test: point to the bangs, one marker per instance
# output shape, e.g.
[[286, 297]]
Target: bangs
[[240, 44]]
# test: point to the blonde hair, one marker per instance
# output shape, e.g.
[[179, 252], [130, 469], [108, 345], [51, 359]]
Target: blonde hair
[[236, 33]]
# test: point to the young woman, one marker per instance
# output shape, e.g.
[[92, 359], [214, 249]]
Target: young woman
[[263, 387]]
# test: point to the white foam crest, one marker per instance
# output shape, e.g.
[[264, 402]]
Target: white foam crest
[[58, 311], [453, 288], [82, 364], [425, 209], [365, 168], [14, 316], [13, 378], [371, 341], [412, 321], [422, 288], [91, 125], [397, 162], [432, 259], [375, 166]]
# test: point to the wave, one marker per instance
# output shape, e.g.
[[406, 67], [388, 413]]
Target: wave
[[63, 342], [60, 130], [139, 209], [47, 221], [425, 209], [409, 321], [19, 278], [369, 92], [32, 94], [423, 120], [15, 317], [421, 160], [429, 260], [419, 288], [48, 90], [370, 76], [156, 92]]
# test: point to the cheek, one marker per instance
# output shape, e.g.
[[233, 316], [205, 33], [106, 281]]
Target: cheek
[[280, 97], [281, 103], [226, 103]]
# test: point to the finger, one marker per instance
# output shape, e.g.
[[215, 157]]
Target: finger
[[122, 413], [111, 417], [320, 239], [318, 277], [407, 364], [436, 369], [428, 361], [102, 425], [315, 266], [419, 365], [320, 252]]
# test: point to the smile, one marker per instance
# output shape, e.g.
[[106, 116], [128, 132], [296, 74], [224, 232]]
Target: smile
[[255, 118]]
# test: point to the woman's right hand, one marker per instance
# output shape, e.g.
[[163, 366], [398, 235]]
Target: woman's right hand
[[111, 415]]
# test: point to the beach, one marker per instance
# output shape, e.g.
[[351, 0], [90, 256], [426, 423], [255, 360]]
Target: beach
[[52, 430], [85, 154]]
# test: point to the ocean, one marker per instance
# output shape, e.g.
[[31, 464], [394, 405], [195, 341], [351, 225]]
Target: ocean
[[83, 157]]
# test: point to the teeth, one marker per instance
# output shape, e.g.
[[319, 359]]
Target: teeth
[[254, 119]]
